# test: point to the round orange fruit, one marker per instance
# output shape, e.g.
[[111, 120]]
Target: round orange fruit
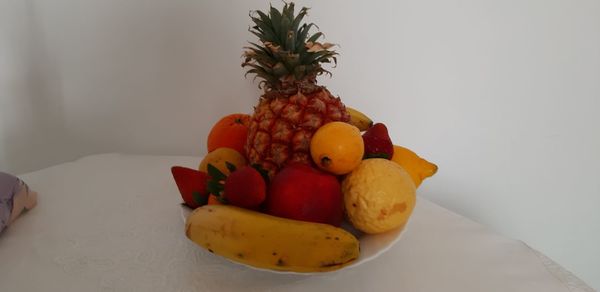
[[230, 131], [337, 147]]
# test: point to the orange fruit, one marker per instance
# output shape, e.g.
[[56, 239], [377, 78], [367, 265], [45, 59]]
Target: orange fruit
[[337, 147], [230, 131]]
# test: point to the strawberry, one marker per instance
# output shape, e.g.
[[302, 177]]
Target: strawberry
[[378, 143], [192, 185], [245, 188]]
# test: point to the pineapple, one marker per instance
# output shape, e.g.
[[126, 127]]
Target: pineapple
[[293, 106]]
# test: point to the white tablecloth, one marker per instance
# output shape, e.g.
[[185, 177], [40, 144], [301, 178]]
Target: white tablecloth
[[112, 222]]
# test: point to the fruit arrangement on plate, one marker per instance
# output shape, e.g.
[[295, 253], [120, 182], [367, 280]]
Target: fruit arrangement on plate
[[276, 186]]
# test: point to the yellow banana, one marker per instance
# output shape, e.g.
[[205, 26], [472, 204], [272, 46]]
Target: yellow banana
[[269, 242], [418, 168], [358, 119]]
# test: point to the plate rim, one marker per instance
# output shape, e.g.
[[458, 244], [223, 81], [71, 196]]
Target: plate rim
[[185, 211]]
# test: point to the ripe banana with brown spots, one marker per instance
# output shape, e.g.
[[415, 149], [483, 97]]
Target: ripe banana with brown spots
[[269, 242], [359, 120]]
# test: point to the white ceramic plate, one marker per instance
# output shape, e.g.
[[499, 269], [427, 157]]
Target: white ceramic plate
[[371, 245]]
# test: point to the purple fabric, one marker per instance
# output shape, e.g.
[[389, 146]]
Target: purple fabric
[[10, 185]]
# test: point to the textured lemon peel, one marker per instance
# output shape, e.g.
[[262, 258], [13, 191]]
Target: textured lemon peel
[[373, 190]]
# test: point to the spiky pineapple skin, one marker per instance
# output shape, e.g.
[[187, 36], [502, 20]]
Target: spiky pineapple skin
[[282, 126]]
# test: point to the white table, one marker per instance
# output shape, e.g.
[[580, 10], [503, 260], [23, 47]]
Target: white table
[[113, 222]]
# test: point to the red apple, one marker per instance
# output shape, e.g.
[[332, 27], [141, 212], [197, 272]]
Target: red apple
[[302, 192]]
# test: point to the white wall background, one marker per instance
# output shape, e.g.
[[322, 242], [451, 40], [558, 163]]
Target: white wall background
[[503, 95]]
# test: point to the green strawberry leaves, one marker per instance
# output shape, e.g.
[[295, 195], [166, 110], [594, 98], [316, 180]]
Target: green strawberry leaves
[[199, 198], [216, 183], [378, 155], [230, 166], [215, 173], [263, 172]]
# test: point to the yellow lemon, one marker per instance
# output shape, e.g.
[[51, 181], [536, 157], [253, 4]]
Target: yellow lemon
[[379, 196], [337, 147], [219, 157], [418, 168]]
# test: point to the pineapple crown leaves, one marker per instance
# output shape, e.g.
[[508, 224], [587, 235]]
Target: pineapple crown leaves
[[289, 53]]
